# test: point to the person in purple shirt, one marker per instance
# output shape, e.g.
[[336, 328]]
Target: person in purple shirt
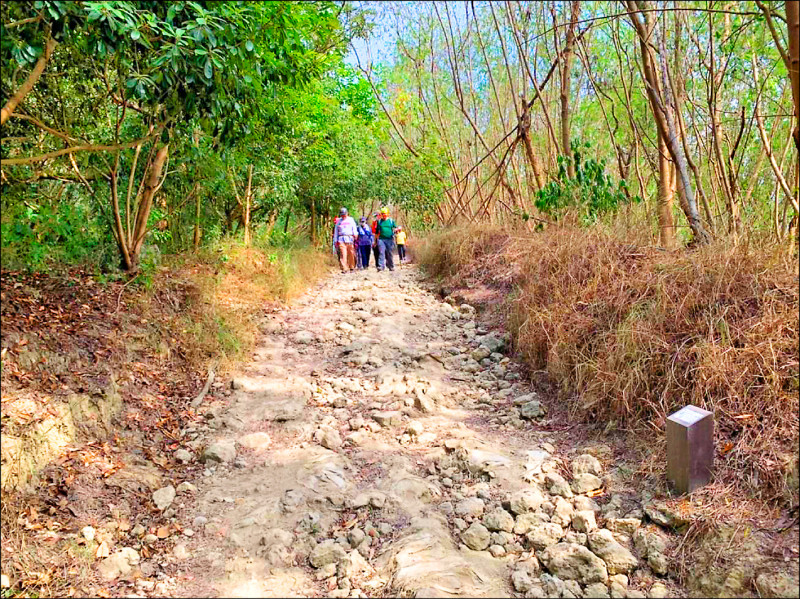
[[365, 238]]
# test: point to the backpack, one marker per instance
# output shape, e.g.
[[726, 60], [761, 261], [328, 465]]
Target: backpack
[[386, 228]]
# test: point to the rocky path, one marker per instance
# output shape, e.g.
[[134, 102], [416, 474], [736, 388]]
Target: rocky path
[[382, 444]]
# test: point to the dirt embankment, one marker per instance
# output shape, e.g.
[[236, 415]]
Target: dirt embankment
[[97, 382]]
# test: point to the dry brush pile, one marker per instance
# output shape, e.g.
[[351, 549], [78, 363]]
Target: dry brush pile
[[631, 333]]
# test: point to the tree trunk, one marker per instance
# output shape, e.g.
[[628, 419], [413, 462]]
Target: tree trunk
[[247, 205], [119, 232], [313, 223], [565, 85], [153, 175], [666, 223], [197, 223], [793, 23], [660, 106]]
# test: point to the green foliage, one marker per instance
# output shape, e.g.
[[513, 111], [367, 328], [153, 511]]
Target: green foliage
[[37, 236], [591, 192]]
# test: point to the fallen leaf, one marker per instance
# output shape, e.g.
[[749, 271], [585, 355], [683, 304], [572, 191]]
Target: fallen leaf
[[727, 447], [162, 532], [102, 550], [595, 493]]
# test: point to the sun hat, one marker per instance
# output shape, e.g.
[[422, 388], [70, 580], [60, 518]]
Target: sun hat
[[343, 211]]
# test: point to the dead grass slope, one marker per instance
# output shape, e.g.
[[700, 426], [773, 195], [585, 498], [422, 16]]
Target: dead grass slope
[[630, 334]]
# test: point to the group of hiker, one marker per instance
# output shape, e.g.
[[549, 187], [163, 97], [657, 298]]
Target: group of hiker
[[354, 242]]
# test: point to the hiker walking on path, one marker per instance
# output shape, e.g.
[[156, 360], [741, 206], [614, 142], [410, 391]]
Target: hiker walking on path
[[385, 231], [401, 244], [365, 239], [375, 238], [345, 236], [333, 239]]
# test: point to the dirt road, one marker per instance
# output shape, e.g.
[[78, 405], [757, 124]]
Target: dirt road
[[382, 444]]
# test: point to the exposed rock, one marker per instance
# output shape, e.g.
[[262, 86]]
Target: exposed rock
[[303, 337], [180, 551], [617, 558], [542, 536], [658, 591], [385, 419], [556, 485], [355, 537], [583, 483], [134, 478], [497, 550], [586, 464], [525, 522], [526, 501], [584, 521], [578, 538], [327, 552], [118, 564], [553, 585], [414, 428], [659, 563], [574, 562], [480, 461], [186, 487], [583, 503], [648, 542], [329, 438], [562, 512], [470, 507], [164, 497], [182, 455], [493, 343], [424, 403], [626, 526], [476, 537], [276, 537], [532, 409], [221, 451], [499, 519], [596, 589], [258, 440], [88, 532], [522, 581], [354, 566], [663, 515], [777, 584], [480, 353]]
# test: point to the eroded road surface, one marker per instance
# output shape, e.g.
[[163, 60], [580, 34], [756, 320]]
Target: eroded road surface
[[382, 444]]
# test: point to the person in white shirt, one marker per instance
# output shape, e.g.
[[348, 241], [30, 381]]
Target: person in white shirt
[[345, 237]]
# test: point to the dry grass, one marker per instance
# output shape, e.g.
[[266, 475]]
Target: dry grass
[[631, 333], [226, 289]]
